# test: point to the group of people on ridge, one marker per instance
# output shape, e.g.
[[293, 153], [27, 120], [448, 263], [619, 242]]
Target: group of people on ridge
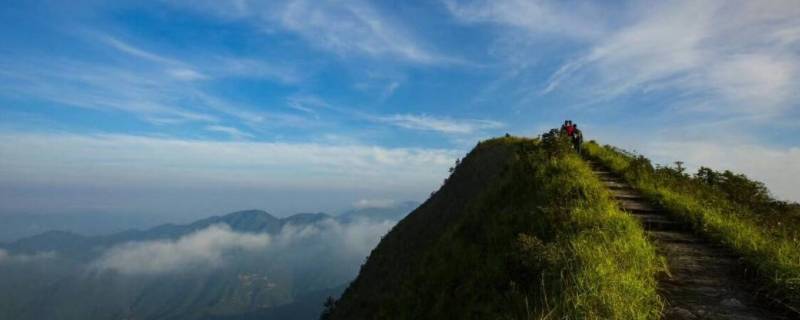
[[575, 135]]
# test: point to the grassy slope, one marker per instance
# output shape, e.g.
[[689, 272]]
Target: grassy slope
[[518, 231], [774, 252]]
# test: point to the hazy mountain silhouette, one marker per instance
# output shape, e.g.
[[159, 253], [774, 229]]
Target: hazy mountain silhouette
[[243, 264]]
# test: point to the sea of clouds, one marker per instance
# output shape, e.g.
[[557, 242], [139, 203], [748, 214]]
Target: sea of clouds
[[216, 245]]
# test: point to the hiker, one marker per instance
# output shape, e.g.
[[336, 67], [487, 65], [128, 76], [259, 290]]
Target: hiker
[[567, 128], [570, 129], [577, 138]]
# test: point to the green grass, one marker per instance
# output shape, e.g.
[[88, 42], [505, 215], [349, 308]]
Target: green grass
[[543, 240], [614, 267], [763, 231]]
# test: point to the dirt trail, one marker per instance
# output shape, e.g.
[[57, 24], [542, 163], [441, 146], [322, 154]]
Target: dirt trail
[[704, 280]]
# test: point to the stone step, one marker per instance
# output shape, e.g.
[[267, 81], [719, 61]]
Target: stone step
[[604, 173], [659, 224], [620, 195], [617, 186], [652, 217], [674, 237], [637, 206], [700, 272]]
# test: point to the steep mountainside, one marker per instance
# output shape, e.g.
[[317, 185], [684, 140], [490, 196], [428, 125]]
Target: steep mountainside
[[525, 229], [399, 254], [521, 229]]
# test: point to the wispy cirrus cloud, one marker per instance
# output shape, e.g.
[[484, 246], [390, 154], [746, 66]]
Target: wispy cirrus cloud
[[740, 56], [158, 89], [249, 67], [81, 84], [342, 27], [186, 74], [307, 103], [699, 49], [206, 66], [125, 47], [548, 18], [140, 160], [231, 131], [443, 125], [365, 30], [727, 52]]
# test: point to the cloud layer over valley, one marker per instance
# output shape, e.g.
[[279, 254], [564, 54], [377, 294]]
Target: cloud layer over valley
[[219, 246], [207, 248]]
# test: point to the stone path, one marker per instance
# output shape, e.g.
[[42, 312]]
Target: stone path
[[703, 281]]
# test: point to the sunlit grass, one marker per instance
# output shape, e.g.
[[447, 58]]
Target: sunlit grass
[[774, 252], [615, 265], [607, 268], [541, 240]]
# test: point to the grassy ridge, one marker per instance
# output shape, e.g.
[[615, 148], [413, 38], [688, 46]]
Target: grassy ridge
[[543, 240], [767, 240], [614, 268]]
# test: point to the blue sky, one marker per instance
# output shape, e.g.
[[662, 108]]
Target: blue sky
[[201, 107]]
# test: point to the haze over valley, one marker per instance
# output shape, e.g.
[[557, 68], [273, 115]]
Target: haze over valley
[[418, 159]]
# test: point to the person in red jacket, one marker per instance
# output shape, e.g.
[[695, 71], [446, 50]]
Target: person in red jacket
[[567, 128]]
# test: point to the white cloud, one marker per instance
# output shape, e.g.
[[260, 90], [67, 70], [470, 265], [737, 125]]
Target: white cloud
[[142, 91], [779, 168], [540, 17], [224, 66], [755, 79], [125, 160], [307, 103], [243, 67], [6, 257], [186, 74], [374, 203], [716, 51], [207, 248], [211, 247], [233, 132], [741, 57], [175, 68], [346, 27], [389, 90], [106, 88], [342, 27], [724, 144], [135, 51], [444, 125], [348, 240]]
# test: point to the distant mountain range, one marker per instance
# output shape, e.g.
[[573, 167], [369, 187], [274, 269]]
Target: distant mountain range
[[16, 226], [238, 266]]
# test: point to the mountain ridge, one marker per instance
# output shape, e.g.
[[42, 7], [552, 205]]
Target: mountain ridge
[[521, 229], [250, 220], [63, 275]]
